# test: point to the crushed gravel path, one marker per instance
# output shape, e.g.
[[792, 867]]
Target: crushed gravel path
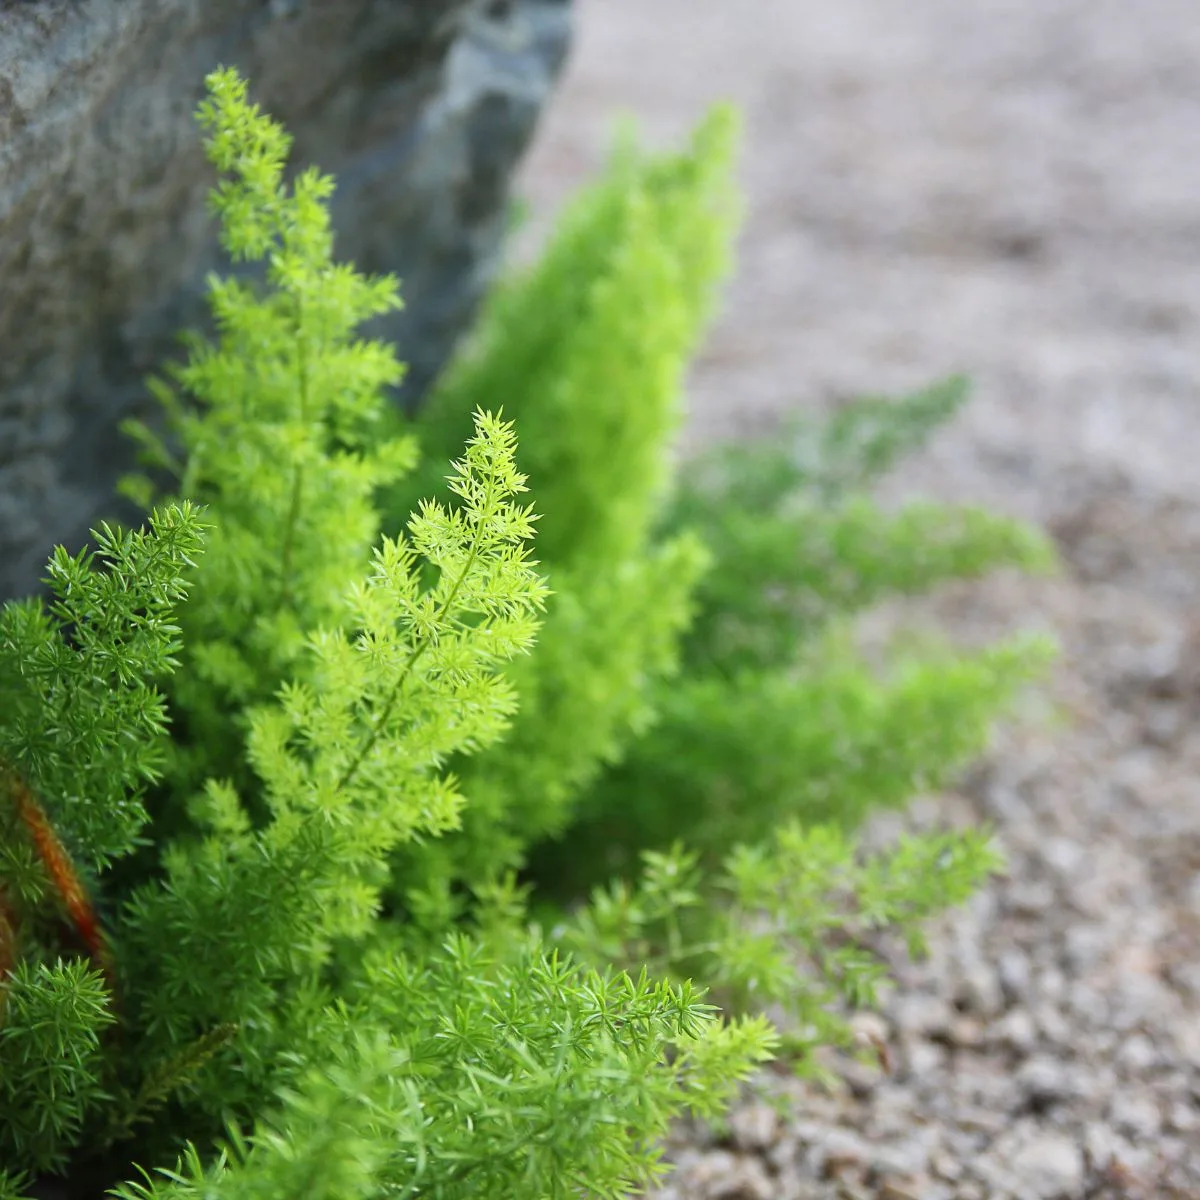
[[1013, 190]]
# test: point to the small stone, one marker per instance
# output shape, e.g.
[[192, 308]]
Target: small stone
[[1162, 723], [1015, 1030], [1049, 1165], [1064, 855], [924, 1059], [900, 1160], [1101, 1145], [1183, 1118], [754, 1127], [903, 1188], [719, 1175], [945, 1166], [1089, 1006], [1050, 984], [995, 1170], [861, 1078], [870, 1027], [980, 1120], [748, 1180], [1085, 946], [1186, 1035], [966, 1033], [891, 1119], [1032, 900], [980, 990], [1043, 1081], [1137, 1053], [842, 1152], [921, 1013], [1054, 1027], [1013, 970], [1135, 1114]]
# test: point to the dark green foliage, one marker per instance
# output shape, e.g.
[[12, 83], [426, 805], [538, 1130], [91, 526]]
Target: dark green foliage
[[50, 1063], [320, 976], [81, 719]]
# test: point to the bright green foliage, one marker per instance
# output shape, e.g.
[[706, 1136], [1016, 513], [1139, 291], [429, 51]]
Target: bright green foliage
[[283, 446], [348, 761], [784, 923], [828, 741], [322, 947], [468, 1090], [775, 714], [589, 349]]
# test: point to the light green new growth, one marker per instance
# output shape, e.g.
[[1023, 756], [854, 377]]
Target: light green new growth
[[590, 347], [282, 443]]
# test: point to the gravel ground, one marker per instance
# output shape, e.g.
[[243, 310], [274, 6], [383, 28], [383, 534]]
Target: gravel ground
[[1013, 190]]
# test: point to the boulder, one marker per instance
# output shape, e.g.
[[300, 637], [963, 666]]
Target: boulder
[[419, 108]]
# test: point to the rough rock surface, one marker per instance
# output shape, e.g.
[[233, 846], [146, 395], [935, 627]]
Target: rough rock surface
[[420, 108], [1013, 190]]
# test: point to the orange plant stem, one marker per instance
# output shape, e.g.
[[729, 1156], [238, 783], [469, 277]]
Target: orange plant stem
[[61, 872]]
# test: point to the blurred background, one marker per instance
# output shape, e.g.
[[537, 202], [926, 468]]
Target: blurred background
[[1010, 189]]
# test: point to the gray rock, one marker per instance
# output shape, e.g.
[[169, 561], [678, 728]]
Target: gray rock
[[903, 1187], [420, 108], [921, 1013], [719, 1175]]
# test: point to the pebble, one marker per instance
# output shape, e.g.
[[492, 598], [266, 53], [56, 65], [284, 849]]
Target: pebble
[[754, 1127], [922, 1013], [1049, 1165], [1015, 1030], [747, 1180], [981, 991], [911, 1188], [1136, 1115], [1014, 975], [1137, 1054], [1044, 1081]]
